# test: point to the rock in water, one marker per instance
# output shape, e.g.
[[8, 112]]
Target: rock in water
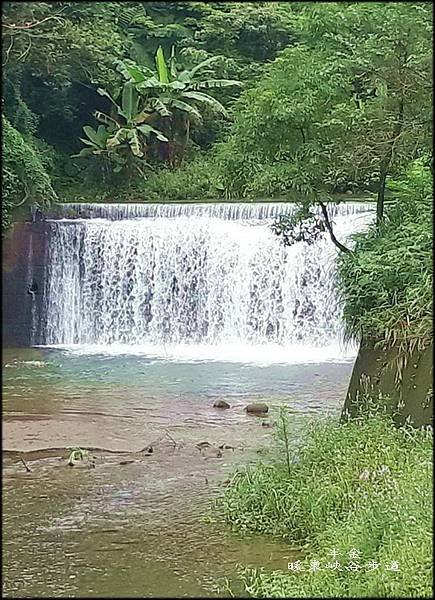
[[202, 445], [221, 404], [212, 452], [257, 408]]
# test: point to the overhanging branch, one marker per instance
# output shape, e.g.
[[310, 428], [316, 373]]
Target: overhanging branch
[[328, 224]]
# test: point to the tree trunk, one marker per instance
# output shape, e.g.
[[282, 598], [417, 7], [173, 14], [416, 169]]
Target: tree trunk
[[381, 195], [328, 224], [385, 165]]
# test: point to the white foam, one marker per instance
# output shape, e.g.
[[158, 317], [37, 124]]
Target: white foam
[[235, 353], [195, 282]]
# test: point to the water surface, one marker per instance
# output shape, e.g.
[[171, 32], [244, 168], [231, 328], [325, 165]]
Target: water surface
[[137, 525]]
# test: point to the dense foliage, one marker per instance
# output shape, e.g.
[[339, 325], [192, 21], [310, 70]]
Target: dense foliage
[[57, 55], [325, 110], [336, 95], [25, 172], [365, 486], [386, 282]]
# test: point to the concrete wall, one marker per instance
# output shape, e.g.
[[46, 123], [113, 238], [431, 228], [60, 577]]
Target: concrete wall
[[375, 373], [24, 266]]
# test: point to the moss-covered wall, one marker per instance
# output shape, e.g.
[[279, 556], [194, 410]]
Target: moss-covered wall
[[376, 372]]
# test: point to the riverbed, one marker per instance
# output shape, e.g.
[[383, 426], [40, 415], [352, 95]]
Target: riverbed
[[139, 522]]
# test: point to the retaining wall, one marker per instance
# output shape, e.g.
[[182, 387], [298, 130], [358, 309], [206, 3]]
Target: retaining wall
[[23, 272], [375, 372]]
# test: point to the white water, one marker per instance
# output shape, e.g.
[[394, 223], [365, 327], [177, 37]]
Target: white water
[[208, 281]]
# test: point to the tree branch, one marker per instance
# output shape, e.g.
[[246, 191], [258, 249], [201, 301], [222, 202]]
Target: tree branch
[[328, 224], [30, 25]]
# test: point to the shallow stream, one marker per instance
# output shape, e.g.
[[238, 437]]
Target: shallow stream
[[138, 524]]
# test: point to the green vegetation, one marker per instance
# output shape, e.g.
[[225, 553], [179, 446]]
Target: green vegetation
[[25, 172], [158, 101], [165, 99], [343, 109], [364, 485], [299, 100], [386, 297], [67, 66]]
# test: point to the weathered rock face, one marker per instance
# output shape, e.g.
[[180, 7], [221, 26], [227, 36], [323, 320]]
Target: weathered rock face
[[375, 372], [23, 278]]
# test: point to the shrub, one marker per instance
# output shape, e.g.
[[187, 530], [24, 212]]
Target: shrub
[[386, 283], [362, 485], [25, 175]]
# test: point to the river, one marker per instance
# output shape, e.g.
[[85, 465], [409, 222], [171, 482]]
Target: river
[[139, 529]]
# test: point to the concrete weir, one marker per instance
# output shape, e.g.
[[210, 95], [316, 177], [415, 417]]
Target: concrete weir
[[23, 280]]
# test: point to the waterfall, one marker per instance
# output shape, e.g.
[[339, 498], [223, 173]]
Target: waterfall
[[205, 277]]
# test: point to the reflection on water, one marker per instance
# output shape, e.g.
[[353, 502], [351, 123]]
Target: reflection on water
[[136, 529]]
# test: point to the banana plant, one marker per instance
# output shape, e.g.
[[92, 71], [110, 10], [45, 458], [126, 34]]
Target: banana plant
[[96, 140], [174, 98], [124, 138], [166, 88]]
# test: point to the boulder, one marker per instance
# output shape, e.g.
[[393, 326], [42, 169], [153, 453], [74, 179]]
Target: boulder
[[221, 404], [257, 408]]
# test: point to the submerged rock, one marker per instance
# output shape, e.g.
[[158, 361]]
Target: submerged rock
[[202, 445], [221, 404], [81, 458], [212, 452], [257, 408]]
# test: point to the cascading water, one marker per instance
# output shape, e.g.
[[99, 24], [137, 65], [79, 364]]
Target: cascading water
[[193, 279]]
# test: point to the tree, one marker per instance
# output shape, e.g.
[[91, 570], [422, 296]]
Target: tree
[[348, 106], [389, 51]]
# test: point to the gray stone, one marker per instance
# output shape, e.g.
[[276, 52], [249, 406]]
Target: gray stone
[[257, 408], [221, 404], [212, 452]]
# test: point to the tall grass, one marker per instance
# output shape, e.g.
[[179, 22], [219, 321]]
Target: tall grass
[[363, 485]]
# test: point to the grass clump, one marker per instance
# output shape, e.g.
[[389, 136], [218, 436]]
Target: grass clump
[[362, 486]]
